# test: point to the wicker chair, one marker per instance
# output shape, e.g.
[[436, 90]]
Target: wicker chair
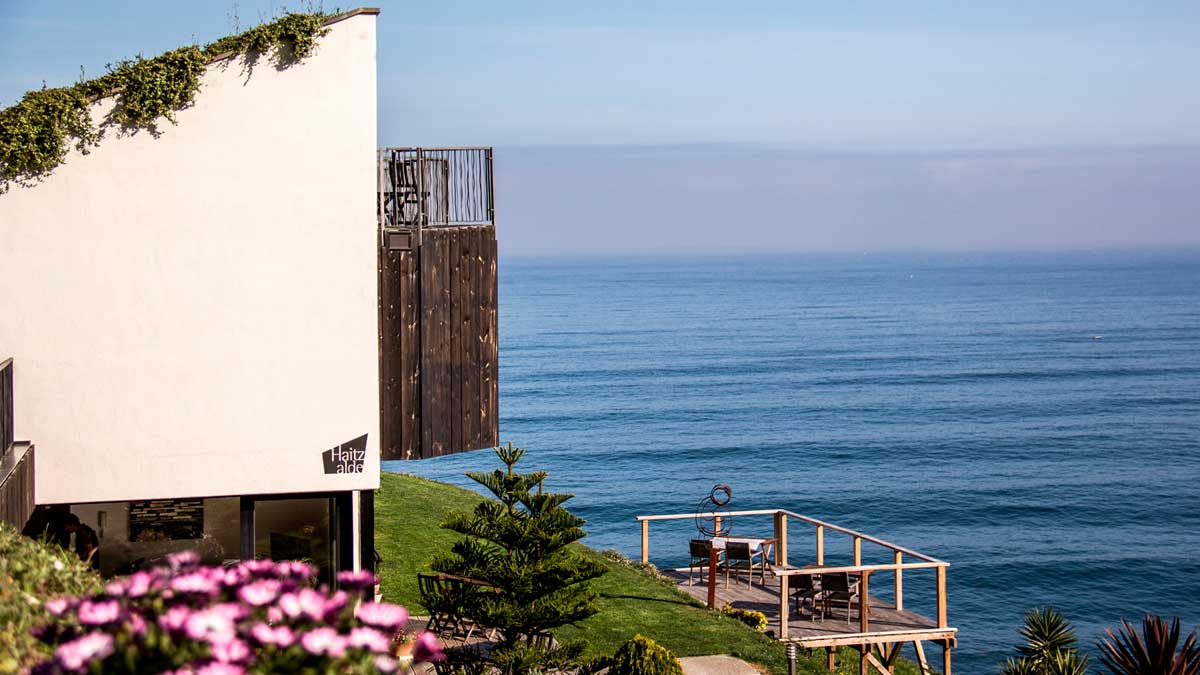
[[836, 588], [739, 556], [804, 589], [700, 550]]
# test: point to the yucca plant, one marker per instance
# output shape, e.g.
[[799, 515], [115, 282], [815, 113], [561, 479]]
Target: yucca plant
[[1155, 651], [1049, 647]]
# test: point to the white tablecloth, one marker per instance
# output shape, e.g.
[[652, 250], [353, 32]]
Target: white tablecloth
[[756, 544]]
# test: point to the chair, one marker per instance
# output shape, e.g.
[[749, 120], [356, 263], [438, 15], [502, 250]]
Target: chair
[[805, 588], [701, 551], [837, 589], [739, 556], [443, 595]]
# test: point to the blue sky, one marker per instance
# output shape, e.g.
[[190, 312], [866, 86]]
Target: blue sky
[[1081, 88]]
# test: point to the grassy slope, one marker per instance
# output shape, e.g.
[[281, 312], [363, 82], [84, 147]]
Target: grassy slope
[[407, 513]]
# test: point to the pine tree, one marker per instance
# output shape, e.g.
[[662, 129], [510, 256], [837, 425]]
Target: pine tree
[[518, 544]]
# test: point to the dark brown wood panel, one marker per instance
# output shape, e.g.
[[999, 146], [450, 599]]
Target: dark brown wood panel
[[438, 361], [400, 345], [16, 486], [6, 405], [454, 300]]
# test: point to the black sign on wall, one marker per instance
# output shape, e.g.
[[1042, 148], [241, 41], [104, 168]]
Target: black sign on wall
[[349, 457]]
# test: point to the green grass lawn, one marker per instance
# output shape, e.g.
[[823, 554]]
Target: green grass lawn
[[409, 509]]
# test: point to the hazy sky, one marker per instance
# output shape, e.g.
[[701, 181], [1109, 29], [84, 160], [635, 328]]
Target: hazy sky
[[836, 126]]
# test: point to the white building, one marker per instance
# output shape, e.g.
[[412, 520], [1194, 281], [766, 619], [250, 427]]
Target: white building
[[194, 318]]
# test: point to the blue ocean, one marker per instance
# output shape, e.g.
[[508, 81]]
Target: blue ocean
[[1034, 419]]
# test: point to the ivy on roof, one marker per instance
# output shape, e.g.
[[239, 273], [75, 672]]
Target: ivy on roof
[[37, 133]]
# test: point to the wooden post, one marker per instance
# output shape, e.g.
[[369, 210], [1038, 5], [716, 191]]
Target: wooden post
[[921, 660], [716, 526], [941, 597], [645, 541], [864, 666], [820, 544], [781, 541], [830, 656], [899, 581], [946, 657], [858, 550], [864, 602], [783, 607], [712, 578]]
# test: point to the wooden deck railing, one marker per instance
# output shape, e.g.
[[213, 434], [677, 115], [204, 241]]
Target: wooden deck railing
[[783, 570]]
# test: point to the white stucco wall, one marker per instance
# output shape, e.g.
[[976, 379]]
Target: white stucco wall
[[195, 314]]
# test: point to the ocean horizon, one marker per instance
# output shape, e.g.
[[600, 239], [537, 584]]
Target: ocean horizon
[[1032, 418]]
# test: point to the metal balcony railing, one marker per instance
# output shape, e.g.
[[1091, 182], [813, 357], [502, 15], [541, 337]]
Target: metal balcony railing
[[435, 187]]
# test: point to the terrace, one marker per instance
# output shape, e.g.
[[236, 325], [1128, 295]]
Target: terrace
[[878, 628]]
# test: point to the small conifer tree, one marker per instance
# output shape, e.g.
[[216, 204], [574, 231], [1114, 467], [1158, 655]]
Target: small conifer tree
[[518, 544]]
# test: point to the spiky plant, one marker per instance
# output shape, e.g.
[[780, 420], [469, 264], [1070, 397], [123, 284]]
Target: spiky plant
[[519, 544], [1049, 647], [1155, 651]]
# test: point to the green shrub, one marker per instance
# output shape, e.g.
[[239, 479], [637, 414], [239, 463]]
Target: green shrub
[[643, 656], [755, 619], [31, 573]]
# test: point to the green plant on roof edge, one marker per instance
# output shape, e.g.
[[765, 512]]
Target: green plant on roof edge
[[37, 132]]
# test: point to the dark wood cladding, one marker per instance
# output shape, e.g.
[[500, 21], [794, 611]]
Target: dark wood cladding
[[16, 488], [438, 319], [6, 406]]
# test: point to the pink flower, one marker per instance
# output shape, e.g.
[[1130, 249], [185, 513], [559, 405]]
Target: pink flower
[[382, 615], [231, 610], [334, 604], [307, 603], [211, 625], [93, 613], [274, 614], [370, 640], [385, 664], [77, 654], [195, 582], [259, 593], [218, 668], [174, 619], [323, 641], [58, 606], [280, 636], [183, 559], [233, 651], [258, 568], [235, 576], [427, 649], [139, 584], [356, 581], [137, 625], [294, 569]]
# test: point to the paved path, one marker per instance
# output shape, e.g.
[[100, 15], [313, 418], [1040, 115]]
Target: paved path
[[716, 665]]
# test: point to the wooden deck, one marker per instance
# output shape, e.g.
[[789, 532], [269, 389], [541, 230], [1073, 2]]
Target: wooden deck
[[887, 624]]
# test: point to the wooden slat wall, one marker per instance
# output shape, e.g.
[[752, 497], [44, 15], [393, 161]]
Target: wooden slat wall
[[439, 355], [400, 343], [16, 492], [6, 406]]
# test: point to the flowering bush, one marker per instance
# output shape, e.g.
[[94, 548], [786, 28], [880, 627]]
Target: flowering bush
[[753, 618], [32, 572], [256, 617]]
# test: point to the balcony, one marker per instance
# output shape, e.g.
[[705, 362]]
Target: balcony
[[423, 188]]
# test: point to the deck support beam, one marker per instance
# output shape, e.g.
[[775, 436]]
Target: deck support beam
[[831, 659], [783, 607], [946, 657]]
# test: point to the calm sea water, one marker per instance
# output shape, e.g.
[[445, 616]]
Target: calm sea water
[[957, 405]]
